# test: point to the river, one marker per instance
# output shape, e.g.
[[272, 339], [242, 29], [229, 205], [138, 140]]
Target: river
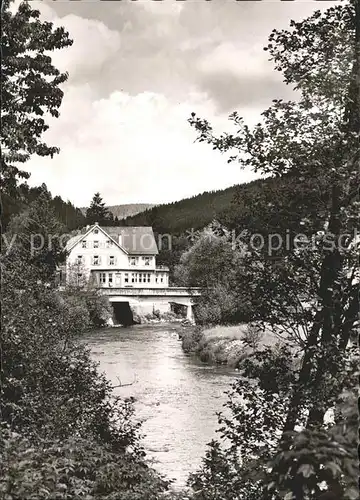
[[177, 397]]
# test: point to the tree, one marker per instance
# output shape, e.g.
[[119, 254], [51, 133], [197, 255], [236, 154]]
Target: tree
[[279, 205], [97, 212], [36, 234], [64, 433], [212, 263], [171, 249], [30, 88], [245, 463], [314, 138], [210, 260]]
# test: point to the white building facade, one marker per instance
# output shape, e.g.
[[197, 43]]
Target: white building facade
[[115, 256]]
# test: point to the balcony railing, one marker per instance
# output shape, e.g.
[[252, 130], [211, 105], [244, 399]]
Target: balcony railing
[[170, 291]]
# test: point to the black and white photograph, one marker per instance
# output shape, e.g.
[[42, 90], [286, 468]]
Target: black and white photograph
[[180, 239]]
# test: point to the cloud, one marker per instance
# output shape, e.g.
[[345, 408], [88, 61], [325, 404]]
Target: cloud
[[175, 47], [94, 44], [131, 148], [242, 76]]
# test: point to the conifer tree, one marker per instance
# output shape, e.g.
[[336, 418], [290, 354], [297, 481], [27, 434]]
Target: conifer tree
[[97, 212]]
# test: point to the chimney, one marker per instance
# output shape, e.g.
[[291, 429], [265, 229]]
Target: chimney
[[96, 223], [87, 228], [120, 239]]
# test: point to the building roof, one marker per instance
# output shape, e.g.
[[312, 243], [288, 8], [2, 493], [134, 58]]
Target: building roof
[[73, 240], [134, 240], [137, 240]]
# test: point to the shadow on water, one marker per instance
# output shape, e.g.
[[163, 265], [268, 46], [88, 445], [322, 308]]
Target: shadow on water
[[177, 396]]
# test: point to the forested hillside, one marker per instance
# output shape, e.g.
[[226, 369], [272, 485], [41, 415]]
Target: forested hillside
[[125, 210], [195, 212], [273, 203]]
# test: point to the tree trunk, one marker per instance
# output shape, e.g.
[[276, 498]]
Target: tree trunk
[[327, 319], [316, 415]]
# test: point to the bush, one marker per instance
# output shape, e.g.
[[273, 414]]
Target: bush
[[221, 305], [138, 319], [190, 339], [253, 336], [99, 308], [73, 468], [81, 440]]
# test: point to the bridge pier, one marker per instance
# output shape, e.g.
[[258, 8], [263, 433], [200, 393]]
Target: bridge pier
[[190, 313], [146, 300]]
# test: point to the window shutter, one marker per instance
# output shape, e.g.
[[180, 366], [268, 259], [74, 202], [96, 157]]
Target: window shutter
[[99, 260]]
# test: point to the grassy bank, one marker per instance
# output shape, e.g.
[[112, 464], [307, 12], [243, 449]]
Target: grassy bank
[[226, 345]]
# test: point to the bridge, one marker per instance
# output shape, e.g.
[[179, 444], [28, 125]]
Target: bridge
[[145, 300]]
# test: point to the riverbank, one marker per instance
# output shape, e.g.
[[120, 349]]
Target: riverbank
[[224, 345]]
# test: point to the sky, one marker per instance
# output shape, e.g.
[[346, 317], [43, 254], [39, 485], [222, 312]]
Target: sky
[[137, 69]]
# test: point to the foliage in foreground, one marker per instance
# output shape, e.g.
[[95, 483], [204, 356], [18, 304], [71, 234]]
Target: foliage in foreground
[[287, 448], [70, 469], [248, 463], [64, 433]]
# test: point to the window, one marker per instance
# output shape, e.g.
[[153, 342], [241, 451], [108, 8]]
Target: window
[[96, 244], [161, 278], [140, 278], [79, 259], [148, 277], [108, 243], [110, 279], [83, 244], [96, 260], [126, 278], [134, 277], [79, 279], [96, 231], [111, 260], [147, 261], [102, 278], [133, 261]]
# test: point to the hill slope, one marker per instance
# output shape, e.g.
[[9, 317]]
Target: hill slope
[[126, 210], [191, 213], [66, 212], [263, 205]]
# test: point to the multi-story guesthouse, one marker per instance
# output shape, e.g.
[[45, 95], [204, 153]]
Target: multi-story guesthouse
[[115, 257]]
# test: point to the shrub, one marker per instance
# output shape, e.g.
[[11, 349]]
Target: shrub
[[157, 313], [81, 441], [99, 308], [190, 339], [253, 336], [73, 468]]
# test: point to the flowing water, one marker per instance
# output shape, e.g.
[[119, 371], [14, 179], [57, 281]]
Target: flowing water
[[177, 397]]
